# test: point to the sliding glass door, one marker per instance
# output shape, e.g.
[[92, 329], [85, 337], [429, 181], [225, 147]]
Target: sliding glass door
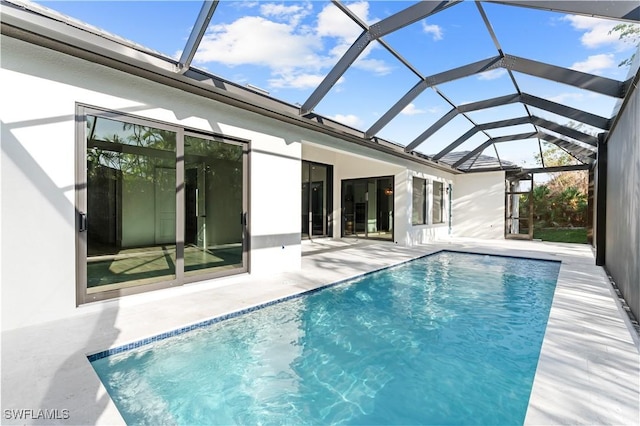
[[157, 206], [367, 208]]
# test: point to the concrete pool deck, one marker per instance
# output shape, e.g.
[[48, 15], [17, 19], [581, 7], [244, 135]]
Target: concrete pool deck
[[588, 371]]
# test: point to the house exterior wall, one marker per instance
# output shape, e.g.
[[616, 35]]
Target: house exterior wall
[[354, 166], [42, 90], [622, 248], [478, 205]]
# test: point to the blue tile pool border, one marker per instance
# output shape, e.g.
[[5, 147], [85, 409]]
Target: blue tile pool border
[[205, 323]]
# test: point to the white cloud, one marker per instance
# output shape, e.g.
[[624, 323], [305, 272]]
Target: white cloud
[[376, 66], [492, 74], [562, 97], [296, 51], [596, 32], [292, 14], [296, 81], [434, 30], [595, 63], [333, 23], [349, 120], [339, 49], [246, 4], [412, 110], [258, 41]]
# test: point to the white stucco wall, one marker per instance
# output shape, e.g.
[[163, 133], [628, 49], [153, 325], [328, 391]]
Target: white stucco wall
[[478, 205], [40, 89]]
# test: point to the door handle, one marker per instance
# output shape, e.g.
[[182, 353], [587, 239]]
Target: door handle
[[82, 222]]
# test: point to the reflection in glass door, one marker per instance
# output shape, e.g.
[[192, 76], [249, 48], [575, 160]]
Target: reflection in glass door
[[367, 208], [316, 199]]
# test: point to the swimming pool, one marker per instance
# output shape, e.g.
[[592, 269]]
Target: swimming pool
[[451, 338]]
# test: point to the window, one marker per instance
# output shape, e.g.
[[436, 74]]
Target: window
[[438, 204], [419, 216]]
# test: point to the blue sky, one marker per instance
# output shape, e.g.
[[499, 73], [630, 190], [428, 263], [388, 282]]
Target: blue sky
[[286, 48]]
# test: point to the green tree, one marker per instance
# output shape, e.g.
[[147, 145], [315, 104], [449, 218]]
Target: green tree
[[541, 197], [562, 200]]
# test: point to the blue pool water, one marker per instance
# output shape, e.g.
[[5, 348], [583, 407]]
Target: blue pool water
[[452, 338]]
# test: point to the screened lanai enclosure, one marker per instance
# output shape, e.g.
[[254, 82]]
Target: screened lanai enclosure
[[463, 87], [171, 164], [534, 98]]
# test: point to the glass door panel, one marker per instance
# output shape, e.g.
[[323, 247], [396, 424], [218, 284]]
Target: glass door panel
[[348, 209], [360, 208], [304, 219], [384, 208], [214, 191], [372, 211], [318, 224], [318, 200], [354, 208], [131, 208]]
